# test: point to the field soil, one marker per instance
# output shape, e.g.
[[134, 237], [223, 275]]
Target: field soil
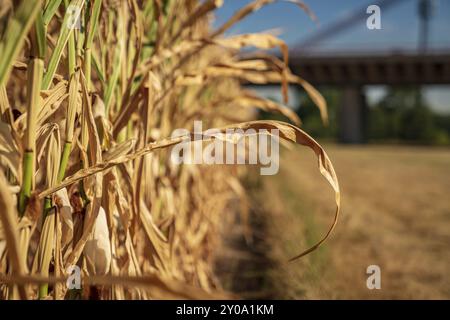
[[395, 214]]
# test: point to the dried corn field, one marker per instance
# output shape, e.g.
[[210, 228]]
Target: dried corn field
[[90, 92]]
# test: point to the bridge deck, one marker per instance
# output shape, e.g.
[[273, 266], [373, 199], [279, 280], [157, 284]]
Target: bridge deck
[[362, 69]]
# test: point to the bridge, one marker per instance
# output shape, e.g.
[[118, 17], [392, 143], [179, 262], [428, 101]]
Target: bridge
[[351, 71]]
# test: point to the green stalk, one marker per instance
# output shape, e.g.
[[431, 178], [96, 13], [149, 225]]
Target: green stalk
[[71, 48], [43, 291], [43, 288], [63, 38], [25, 192], [15, 35], [71, 53], [50, 10], [64, 161], [117, 62], [98, 67], [113, 80], [87, 67], [35, 73], [92, 28]]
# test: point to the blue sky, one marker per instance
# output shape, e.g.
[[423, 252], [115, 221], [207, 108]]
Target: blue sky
[[400, 23]]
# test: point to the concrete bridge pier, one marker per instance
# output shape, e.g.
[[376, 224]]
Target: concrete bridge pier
[[352, 115]]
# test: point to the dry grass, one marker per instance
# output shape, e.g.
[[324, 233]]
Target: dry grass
[[87, 116], [396, 214]]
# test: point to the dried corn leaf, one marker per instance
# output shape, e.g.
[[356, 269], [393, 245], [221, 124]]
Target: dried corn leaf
[[8, 218]]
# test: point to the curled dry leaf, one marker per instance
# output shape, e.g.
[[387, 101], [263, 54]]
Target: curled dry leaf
[[287, 132]]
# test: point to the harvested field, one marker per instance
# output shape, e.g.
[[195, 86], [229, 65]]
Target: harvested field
[[395, 214]]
